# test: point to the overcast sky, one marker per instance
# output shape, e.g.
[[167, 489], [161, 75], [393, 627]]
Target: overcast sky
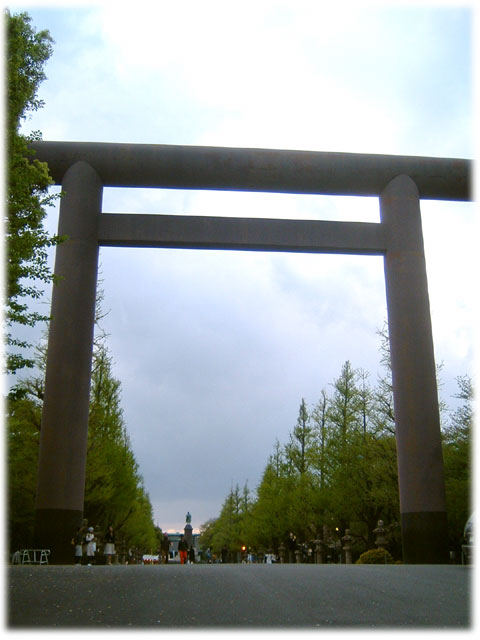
[[215, 350]]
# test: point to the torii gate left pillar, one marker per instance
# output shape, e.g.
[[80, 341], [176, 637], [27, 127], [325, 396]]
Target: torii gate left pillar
[[63, 442]]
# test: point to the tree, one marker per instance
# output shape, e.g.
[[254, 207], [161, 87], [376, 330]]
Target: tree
[[383, 393], [306, 498], [23, 435], [336, 471], [366, 400], [28, 182], [229, 528], [345, 403], [207, 530], [344, 420], [24, 418], [457, 456], [300, 441], [271, 517], [339, 470], [362, 454], [320, 433], [114, 491]]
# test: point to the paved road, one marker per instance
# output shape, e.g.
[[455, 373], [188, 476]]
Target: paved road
[[233, 596]]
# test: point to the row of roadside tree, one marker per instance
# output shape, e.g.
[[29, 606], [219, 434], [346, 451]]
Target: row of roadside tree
[[338, 471]]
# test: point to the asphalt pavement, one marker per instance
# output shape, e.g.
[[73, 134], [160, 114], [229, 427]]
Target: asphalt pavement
[[234, 596]]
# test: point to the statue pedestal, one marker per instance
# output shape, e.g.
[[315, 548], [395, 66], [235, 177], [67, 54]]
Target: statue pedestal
[[188, 531]]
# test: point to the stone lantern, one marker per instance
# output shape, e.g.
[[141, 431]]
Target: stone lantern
[[347, 546], [380, 541]]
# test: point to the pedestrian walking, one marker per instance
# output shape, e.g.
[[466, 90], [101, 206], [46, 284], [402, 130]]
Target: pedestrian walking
[[191, 555], [224, 553], [77, 541], [165, 548], [182, 549], [109, 550], [91, 546], [292, 546]]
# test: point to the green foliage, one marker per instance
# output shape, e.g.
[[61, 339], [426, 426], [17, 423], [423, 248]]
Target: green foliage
[[344, 411], [338, 467], [338, 470], [375, 556], [271, 513], [300, 440], [28, 182], [230, 527], [207, 531], [114, 491], [23, 434], [457, 457]]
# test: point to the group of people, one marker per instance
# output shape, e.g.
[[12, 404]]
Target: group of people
[[212, 558], [186, 553], [85, 540]]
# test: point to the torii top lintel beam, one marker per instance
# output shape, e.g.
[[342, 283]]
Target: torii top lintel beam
[[269, 170]]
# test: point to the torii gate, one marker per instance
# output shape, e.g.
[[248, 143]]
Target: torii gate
[[83, 169]]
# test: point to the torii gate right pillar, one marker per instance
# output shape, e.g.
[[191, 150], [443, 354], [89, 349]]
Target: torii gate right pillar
[[419, 447]]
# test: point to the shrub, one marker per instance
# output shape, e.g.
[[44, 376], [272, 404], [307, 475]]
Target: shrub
[[375, 556]]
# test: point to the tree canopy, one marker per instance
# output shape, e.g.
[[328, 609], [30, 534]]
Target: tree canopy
[[28, 182], [338, 471]]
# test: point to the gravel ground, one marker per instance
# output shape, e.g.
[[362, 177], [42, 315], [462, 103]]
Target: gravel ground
[[233, 596]]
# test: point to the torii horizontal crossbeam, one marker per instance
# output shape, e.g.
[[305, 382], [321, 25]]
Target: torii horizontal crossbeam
[[269, 170], [253, 234]]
